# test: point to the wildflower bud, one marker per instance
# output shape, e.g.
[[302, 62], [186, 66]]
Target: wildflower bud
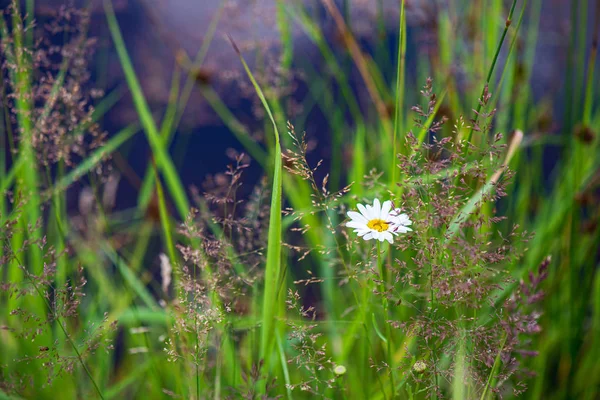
[[339, 370], [419, 367]]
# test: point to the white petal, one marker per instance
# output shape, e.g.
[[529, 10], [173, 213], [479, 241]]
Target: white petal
[[368, 236], [357, 217], [369, 214], [385, 210], [401, 220], [393, 221], [377, 208], [404, 220], [362, 232], [396, 212], [363, 210], [356, 224], [387, 236], [403, 229]]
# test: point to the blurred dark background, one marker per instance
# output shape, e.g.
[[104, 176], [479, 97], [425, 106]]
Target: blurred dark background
[[162, 35]]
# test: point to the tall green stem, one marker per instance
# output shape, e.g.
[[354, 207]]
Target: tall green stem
[[493, 66], [399, 103], [386, 312]]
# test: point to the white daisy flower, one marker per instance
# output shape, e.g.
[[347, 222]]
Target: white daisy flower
[[378, 221]]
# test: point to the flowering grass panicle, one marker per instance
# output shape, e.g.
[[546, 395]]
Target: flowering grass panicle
[[311, 352], [60, 94], [58, 357], [457, 258]]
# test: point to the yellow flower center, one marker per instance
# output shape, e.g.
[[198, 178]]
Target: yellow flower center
[[378, 225]]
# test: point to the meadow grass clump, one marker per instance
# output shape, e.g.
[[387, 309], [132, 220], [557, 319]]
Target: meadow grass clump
[[433, 293], [402, 265], [49, 129], [58, 91]]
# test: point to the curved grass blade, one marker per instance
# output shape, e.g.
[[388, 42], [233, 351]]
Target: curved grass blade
[[163, 160], [377, 330], [270, 307], [399, 100], [129, 277], [284, 367], [166, 133]]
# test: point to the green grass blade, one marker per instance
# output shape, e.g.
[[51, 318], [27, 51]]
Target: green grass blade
[[493, 65], [146, 190], [93, 159], [591, 66], [165, 222], [129, 277], [399, 103], [133, 378], [237, 128], [458, 381], [163, 160], [284, 367], [492, 376], [474, 201], [270, 307], [176, 107]]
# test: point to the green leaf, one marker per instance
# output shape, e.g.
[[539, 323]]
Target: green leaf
[[376, 326]]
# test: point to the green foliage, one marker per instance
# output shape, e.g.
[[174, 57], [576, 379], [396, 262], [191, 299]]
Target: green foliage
[[300, 307]]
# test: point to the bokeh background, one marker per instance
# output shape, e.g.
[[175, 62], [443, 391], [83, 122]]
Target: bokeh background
[[544, 85], [162, 36]]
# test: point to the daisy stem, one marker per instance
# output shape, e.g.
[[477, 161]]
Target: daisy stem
[[382, 274], [388, 332]]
